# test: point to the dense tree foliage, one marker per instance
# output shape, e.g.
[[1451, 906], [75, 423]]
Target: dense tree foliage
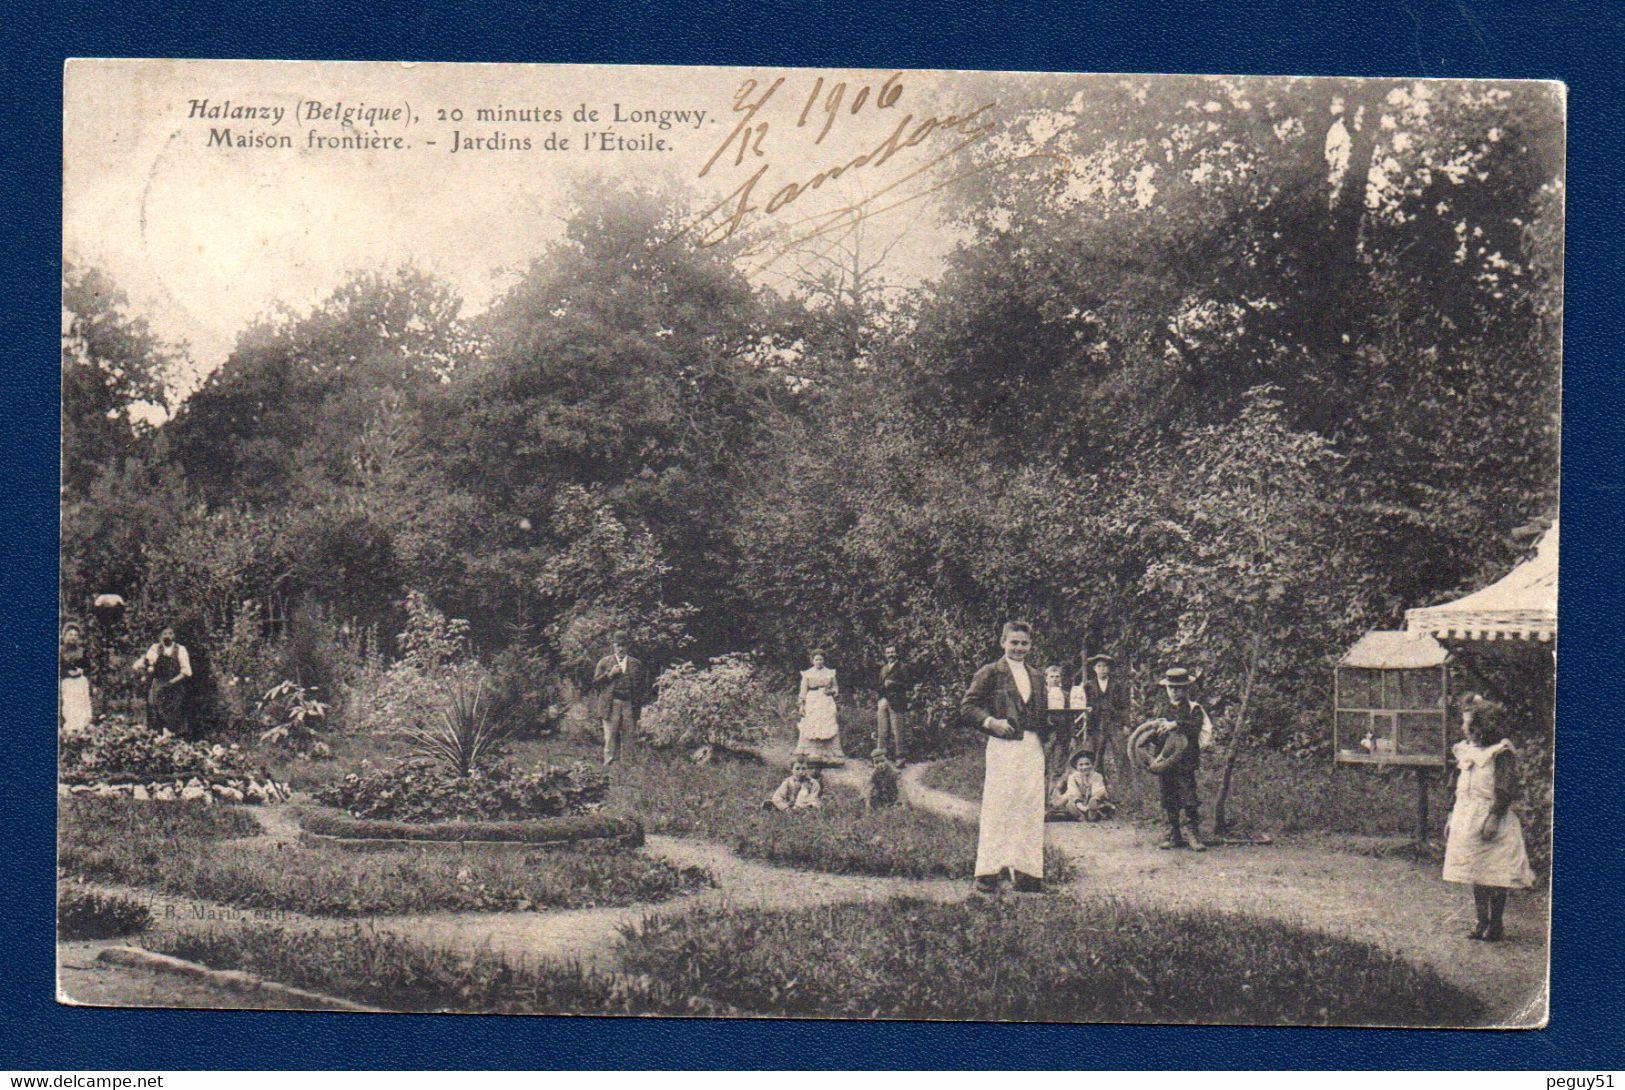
[[1221, 371]]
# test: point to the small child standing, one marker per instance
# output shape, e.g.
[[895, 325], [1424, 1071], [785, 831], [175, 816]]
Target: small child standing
[[1083, 796], [801, 789], [1058, 718]]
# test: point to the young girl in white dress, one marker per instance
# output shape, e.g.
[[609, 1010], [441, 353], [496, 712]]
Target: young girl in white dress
[[817, 733], [1484, 844]]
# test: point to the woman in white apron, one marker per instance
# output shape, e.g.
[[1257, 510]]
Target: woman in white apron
[[818, 731], [73, 683], [1484, 843]]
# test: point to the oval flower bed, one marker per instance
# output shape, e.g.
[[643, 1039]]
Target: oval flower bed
[[424, 802]]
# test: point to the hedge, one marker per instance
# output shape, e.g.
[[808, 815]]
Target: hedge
[[624, 832]]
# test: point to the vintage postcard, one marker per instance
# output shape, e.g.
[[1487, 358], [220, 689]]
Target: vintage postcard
[[807, 543]]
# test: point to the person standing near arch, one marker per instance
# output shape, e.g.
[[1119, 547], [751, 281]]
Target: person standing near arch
[[1005, 701]]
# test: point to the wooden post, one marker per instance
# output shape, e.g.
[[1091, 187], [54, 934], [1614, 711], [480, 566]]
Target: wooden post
[[1421, 805]]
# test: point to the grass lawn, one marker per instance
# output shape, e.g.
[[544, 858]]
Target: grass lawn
[[723, 802], [1048, 959], [176, 848], [1270, 792]]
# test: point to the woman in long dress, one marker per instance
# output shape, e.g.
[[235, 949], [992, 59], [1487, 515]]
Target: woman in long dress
[[73, 682], [818, 736], [1484, 843]]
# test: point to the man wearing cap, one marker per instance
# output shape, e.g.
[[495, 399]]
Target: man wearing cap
[[619, 681], [1108, 702], [1006, 701], [1178, 781]]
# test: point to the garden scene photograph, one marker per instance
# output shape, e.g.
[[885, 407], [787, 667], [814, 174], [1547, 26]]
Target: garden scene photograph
[[869, 544]]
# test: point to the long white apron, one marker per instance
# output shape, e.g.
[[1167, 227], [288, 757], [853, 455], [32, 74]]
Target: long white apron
[[76, 713], [1012, 826]]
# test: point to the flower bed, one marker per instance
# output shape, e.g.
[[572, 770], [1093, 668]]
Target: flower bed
[[116, 749], [425, 792], [584, 831], [117, 756]]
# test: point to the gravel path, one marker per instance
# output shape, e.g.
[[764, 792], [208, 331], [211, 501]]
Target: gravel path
[[1393, 903]]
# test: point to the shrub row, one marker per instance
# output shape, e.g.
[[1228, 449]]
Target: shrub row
[[85, 914]]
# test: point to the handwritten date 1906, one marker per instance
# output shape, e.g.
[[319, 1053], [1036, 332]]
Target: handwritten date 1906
[[749, 140]]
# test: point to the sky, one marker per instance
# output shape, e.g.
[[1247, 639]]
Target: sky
[[204, 235]]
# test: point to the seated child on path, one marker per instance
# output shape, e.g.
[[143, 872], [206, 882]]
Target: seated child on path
[[882, 790], [1083, 795], [801, 789]]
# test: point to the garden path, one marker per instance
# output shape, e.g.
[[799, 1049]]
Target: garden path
[[1393, 903], [588, 936]]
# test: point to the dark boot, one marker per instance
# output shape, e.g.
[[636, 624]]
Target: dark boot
[[1175, 838], [1498, 904], [1025, 883], [1192, 823], [1481, 904], [986, 884]]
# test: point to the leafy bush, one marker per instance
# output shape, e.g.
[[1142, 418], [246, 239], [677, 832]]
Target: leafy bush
[[245, 662], [529, 690], [1048, 959], [382, 700], [115, 747], [420, 790], [431, 639], [725, 706], [83, 914], [289, 712]]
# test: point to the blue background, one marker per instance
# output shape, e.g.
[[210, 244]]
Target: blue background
[[1579, 43]]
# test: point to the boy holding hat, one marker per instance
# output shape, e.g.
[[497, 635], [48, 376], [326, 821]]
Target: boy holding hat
[[1178, 779]]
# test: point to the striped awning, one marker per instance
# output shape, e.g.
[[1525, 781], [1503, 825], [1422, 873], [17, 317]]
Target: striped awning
[[1522, 605]]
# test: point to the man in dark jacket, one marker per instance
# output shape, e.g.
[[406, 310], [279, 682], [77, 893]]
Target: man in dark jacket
[[618, 680], [894, 683], [1005, 701], [1109, 712]]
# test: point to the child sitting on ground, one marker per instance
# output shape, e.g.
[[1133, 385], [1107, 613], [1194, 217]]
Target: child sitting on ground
[[801, 789], [882, 791], [1083, 795]]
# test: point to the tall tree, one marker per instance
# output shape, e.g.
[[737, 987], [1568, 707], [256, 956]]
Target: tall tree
[[117, 376]]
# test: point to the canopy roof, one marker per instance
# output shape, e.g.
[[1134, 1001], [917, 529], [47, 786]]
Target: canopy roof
[[1522, 605], [1395, 651]]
